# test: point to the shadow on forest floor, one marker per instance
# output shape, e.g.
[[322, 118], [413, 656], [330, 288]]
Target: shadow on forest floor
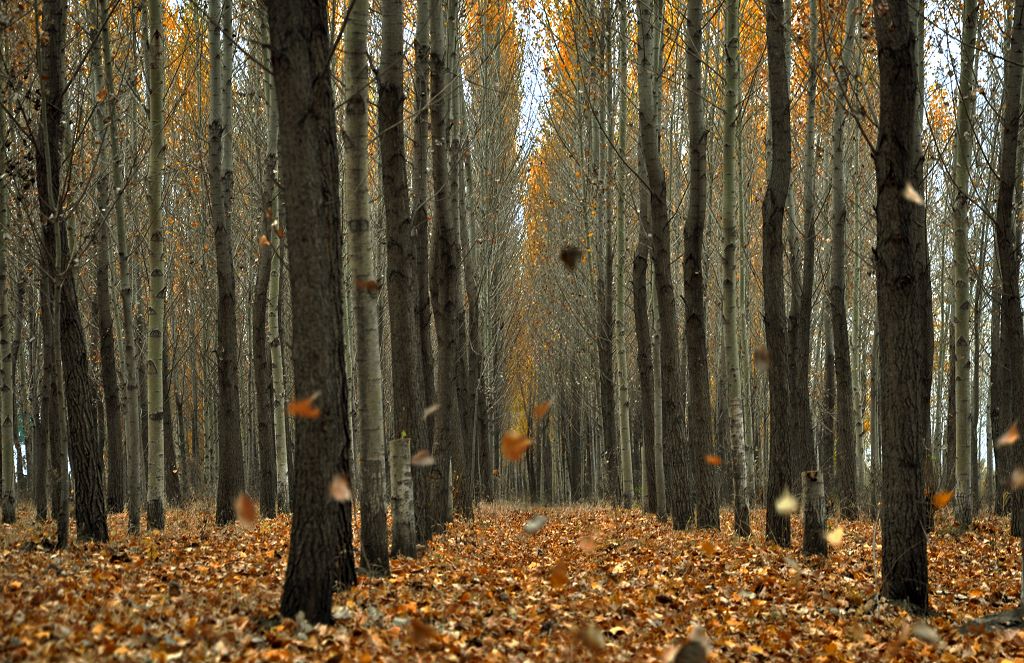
[[592, 580]]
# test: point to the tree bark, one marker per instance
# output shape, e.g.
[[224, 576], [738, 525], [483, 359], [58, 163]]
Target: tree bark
[[320, 547]]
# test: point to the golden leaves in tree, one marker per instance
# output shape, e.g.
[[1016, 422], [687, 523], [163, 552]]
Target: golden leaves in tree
[[713, 459], [941, 498], [246, 509], [340, 489], [305, 408], [541, 409], [514, 445], [1009, 436]]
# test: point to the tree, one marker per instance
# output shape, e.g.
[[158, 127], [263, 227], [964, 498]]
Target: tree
[[320, 545], [157, 286], [773, 210], [402, 274], [7, 496], [905, 336]]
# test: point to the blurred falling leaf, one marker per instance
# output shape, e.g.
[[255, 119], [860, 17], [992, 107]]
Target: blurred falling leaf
[[761, 359], [246, 509], [1017, 478], [535, 524], [431, 409], [368, 285], [340, 489], [422, 633], [570, 256], [942, 498], [588, 544], [101, 96], [422, 458], [835, 536], [707, 547], [514, 445], [264, 241], [910, 194], [924, 632], [590, 637], [713, 459], [1010, 436], [278, 230], [541, 409], [786, 504], [559, 574], [304, 408]]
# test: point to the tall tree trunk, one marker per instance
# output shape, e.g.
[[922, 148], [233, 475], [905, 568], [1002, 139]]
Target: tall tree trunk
[[402, 276], [372, 480], [622, 405], [650, 21], [773, 211], [7, 495], [699, 417], [905, 336], [731, 381], [963, 150], [320, 548], [157, 287], [229, 434]]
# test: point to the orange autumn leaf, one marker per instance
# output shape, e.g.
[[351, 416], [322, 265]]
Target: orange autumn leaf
[[101, 96], [264, 241], [340, 489], [368, 285], [1010, 436], [942, 498], [304, 408], [278, 230], [541, 409], [246, 509], [713, 459], [514, 445], [559, 574], [422, 633]]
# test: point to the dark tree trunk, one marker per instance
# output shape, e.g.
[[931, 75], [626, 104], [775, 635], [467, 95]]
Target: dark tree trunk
[[1008, 249], [606, 383], [774, 212], [262, 373], [827, 446], [948, 478], [645, 363], [117, 471], [905, 334], [320, 550], [172, 472], [402, 269]]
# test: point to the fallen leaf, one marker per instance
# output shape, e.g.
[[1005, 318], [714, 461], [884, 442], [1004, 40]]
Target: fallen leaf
[[786, 504], [911, 195], [514, 445], [304, 408], [422, 458], [1010, 436], [340, 489], [941, 498]]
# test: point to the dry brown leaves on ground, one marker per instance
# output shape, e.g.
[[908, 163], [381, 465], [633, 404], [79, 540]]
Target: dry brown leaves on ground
[[593, 583]]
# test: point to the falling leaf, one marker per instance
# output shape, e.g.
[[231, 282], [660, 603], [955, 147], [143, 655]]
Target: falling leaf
[[422, 633], [761, 358], [368, 285], [246, 509], [707, 547], [101, 96], [911, 195], [559, 574], [941, 498], [422, 458], [540, 409], [535, 524], [278, 230], [1010, 436], [570, 255], [835, 537], [590, 637], [786, 504], [264, 241], [340, 489], [588, 544], [514, 444], [1017, 478], [713, 459], [431, 409], [924, 632], [304, 408]]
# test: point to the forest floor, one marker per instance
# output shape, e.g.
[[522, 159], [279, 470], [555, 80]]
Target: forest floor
[[593, 583]]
